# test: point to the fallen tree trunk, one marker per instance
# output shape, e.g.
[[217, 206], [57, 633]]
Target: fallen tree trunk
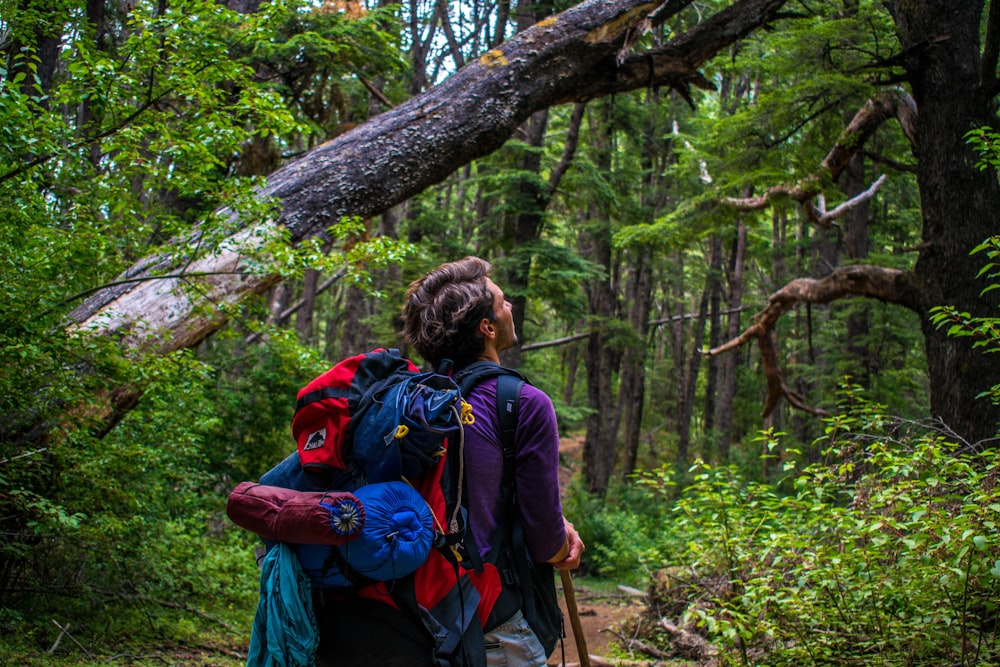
[[585, 52]]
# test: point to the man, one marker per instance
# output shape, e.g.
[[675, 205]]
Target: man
[[457, 313]]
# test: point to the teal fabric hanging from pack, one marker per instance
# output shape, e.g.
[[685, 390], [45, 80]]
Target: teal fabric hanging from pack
[[284, 627]]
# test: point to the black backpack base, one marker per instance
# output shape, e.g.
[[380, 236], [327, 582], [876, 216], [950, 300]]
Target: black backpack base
[[362, 633]]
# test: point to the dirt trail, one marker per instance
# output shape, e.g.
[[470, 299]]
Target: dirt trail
[[601, 614]]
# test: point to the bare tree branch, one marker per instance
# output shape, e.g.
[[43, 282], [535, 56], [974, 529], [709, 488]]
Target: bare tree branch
[[826, 218], [872, 114], [887, 285]]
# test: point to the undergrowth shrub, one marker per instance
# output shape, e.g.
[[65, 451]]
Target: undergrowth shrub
[[627, 532], [132, 544], [886, 553]]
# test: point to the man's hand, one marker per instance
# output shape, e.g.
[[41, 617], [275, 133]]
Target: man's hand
[[573, 549]]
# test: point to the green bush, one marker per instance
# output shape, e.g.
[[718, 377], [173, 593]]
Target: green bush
[[886, 553], [627, 533]]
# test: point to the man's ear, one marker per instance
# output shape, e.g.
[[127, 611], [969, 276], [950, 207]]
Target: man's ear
[[486, 327]]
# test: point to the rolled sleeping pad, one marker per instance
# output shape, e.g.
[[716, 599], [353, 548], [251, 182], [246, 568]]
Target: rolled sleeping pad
[[297, 517], [396, 540]]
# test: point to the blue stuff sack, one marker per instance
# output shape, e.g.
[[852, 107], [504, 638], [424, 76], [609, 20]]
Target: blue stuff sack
[[415, 415], [396, 540]]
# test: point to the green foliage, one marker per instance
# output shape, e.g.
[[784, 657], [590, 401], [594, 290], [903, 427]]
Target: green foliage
[[142, 133], [629, 533], [885, 553]]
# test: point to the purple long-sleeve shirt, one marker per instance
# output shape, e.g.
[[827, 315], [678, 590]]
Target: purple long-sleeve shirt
[[536, 470]]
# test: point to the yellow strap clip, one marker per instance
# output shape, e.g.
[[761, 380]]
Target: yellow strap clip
[[467, 416], [401, 431]]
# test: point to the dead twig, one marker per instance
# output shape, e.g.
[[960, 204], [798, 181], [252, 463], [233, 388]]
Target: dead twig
[[65, 631]]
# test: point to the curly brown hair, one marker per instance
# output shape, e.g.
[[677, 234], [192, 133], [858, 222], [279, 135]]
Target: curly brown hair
[[444, 308]]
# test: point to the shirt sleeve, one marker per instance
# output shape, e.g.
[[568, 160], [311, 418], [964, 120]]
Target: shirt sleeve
[[536, 474]]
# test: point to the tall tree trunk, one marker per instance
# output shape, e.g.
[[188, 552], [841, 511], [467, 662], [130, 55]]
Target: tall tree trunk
[[530, 202], [714, 338], [571, 362], [727, 396], [689, 382], [419, 48], [44, 46], [600, 448], [639, 290], [954, 93], [632, 381], [856, 236], [531, 198]]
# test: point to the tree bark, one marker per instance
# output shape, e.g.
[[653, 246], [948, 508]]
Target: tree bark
[[689, 381], [724, 417], [600, 447], [858, 348], [714, 339], [632, 381], [954, 90]]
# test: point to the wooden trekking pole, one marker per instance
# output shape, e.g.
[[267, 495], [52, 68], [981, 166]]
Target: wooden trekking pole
[[574, 618]]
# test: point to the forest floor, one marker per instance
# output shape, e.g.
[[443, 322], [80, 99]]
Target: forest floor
[[602, 614]]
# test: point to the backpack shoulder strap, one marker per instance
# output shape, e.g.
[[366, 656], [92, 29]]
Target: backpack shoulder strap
[[508, 405], [473, 374]]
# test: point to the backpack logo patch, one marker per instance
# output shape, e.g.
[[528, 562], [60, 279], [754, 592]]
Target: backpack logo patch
[[316, 440]]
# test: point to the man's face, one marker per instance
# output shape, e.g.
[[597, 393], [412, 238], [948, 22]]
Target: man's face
[[506, 337]]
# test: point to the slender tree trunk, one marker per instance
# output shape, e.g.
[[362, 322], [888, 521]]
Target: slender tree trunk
[[304, 316], [689, 386], [531, 198], [45, 47], [355, 333], [530, 202], [727, 396], [419, 48], [714, 339], [632, 382], [571, 362], [600, 447], [859, 319], [279, 298], [602, 361]]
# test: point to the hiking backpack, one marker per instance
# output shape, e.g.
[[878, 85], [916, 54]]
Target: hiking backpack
[[373, 420]]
